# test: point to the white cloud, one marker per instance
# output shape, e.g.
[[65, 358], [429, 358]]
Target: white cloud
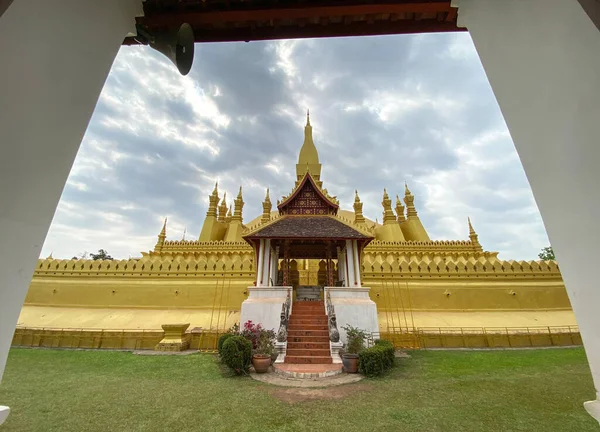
[[383, 110]]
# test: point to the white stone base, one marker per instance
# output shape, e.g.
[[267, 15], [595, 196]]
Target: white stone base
[[335, 348], [593, 409], [354, 307], [4, 411], [263, 306], [281, 348]]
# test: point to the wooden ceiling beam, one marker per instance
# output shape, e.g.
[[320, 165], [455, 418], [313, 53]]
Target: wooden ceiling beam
[[173, 19], [236, 34]]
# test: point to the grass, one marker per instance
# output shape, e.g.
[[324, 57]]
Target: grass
[[528, 390]]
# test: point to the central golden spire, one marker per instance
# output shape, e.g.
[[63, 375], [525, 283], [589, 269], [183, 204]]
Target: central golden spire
[[308, 159]]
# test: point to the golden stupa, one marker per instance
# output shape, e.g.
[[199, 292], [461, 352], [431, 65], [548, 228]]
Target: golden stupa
[[417, 283]]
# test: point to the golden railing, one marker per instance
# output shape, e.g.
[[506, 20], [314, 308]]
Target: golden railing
[[121, 339], [205, 340], [482, 337]]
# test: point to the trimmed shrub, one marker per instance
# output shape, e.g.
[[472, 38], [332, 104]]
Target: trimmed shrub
[[376, 360], [221, 341], [389, 350], [236, 353]]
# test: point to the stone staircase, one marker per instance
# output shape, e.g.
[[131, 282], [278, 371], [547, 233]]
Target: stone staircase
[[308, 334], [308, 293]]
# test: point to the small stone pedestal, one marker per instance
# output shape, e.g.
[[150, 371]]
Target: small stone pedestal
[[335, 351], [175, 338]]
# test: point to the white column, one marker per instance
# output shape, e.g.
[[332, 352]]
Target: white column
[[350, 263], [259, 266], [340, 263], [266, 260], [55, 59], [355, 253], [542, 58]]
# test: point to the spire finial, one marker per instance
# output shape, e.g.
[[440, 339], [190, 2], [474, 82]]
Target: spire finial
[[240, 193], [406, 190], [307, 117], [471, 230], [161, 237], [474, 237], [268, 197]]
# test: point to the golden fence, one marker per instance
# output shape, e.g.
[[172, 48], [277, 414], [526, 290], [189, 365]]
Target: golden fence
[[205, 340], [482, 337], [49, 337]]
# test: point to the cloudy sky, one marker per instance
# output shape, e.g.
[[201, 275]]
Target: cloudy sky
[[384, 110]]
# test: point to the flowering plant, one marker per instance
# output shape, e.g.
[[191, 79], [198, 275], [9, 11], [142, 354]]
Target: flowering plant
[[261, 338]]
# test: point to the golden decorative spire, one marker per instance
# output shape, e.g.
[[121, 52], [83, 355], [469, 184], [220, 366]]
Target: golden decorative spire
[[267, 206], [223, 208], [358, 206], [388, 213], [308, 159], [399, 210], [229, 214], [213, 201], [161, 237], [409, 199], [50, 256], [239, 205], [474, 237]]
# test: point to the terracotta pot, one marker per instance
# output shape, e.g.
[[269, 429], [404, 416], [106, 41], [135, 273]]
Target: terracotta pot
[[350, 362], [261, 362]]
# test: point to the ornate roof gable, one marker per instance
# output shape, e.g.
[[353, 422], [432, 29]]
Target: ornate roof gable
[[307, 199]]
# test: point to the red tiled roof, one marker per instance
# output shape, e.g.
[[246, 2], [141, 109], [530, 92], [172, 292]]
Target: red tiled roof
[[308, 227]]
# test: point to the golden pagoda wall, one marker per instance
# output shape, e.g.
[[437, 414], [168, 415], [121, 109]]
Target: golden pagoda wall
[[429, 276], [172, 278], [406, 275]]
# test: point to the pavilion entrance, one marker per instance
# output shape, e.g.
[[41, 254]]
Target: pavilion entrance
[[309, 265]]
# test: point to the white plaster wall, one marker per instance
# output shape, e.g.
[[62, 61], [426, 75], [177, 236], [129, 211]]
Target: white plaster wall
[[542, 58], [354, 306], [263, 306], [55, 58]]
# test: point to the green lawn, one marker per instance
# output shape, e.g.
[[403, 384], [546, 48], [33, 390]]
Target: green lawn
[[525, 390]]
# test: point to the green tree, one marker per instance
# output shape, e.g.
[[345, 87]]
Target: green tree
[[547, 254], [101, 255]]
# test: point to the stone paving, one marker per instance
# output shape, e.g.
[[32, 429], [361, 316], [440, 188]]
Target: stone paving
[[331, 381]]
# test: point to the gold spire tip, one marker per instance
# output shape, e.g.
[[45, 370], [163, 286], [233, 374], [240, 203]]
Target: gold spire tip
[[307, 117]]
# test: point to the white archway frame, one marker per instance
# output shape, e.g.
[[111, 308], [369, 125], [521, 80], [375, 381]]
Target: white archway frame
[[541, 58]]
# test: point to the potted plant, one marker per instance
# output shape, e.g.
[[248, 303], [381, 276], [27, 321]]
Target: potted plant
[[261, 356], [355, 343], [263, 345]]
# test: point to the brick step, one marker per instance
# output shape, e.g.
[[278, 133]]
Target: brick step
[[304, 352], [307, 339], [306, 311], [312, 321], [308, 345], [312, 327], [307, 314], [296, 333], [308, 359]]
